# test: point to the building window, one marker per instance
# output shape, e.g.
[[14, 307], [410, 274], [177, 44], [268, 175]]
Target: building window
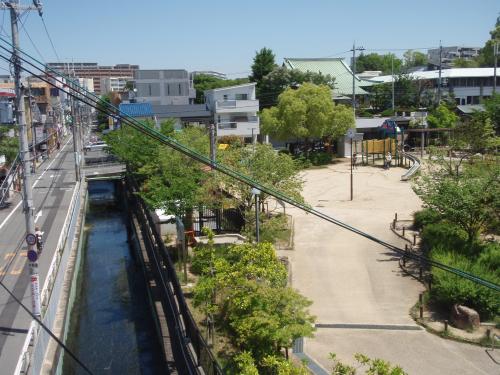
[[241, 96], [224, 97], [180, 90]]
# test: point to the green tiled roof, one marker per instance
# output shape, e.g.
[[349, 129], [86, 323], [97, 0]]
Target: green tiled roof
[[336, 67]]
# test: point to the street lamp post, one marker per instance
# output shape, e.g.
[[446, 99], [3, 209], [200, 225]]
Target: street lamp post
[[256, 193]]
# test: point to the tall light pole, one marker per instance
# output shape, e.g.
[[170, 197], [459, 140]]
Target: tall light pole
[[354, 49], [392, 79], [24, 153], [495, 54], [440, 69]]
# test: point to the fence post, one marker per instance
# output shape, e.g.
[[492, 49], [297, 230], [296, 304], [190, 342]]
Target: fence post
[[446, 325], [420, 273], [414, 239]]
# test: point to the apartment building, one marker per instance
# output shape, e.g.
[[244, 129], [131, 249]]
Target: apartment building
[[114, 84], [449, 54], [234, 110], [94, 71], [164, 87]]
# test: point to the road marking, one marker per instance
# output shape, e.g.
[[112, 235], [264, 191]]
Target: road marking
[[36, 182], [9, 255], [38, 215], [18, 266]]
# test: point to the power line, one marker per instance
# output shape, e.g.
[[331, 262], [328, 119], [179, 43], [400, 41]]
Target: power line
[[29, 37], [92, 100], [50, 39]]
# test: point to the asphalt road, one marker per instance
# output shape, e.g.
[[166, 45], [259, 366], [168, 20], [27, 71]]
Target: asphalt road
[[52, 191], [360, 296]]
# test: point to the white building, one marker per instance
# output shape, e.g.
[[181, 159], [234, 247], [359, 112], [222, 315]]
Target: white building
[[467, 85], [164, 87], [115, 84], [234, 110]]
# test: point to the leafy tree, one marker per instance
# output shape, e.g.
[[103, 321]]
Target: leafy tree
[[442, 117], [476, 134], [264, 165], [492, 106], [463, 63], [414, 58], [469, 200], [371, 366], [486, 56], [263, 64], [373, 61], [204, 82], [103, 107], [9, 146], [306, 113], [277, 81]]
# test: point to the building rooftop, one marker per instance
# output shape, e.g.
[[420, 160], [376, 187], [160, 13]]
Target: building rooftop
[[445, 73], [336, 67], [136, 109], [232, 87], [181, 111]]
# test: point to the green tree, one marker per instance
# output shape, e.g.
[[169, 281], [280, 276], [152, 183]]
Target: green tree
[[442, 117], [486, 56], [9, 146], [204, 82], [476, 134], [414, 58], [263, 64], [306, 113], [371, 366], [277, 81], [463, 63], [468, 200], [373, 61], [103, 107], [492, 106]]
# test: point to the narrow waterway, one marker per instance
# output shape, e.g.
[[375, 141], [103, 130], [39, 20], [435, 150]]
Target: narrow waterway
[[112, 329]]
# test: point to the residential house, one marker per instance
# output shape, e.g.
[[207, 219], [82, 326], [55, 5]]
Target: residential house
[[234, 110]]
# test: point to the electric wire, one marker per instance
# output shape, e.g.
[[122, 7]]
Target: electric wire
[[46, 329], [29, 37], [50, 39], [91, 99]]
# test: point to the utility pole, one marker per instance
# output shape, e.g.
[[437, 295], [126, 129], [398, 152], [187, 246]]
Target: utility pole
[[392, 80], [354, 49], [24, 153], [74, 132], [256, 193], [495, 53], [440, 71], [212, 144]]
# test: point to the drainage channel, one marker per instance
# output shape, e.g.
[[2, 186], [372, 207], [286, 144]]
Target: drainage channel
[[111, 329]]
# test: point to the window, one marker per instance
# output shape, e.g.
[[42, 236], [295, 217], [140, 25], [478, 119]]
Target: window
[[180, 90], [224, 97], [241, 96]]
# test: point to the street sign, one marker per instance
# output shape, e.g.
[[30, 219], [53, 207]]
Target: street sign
[[30, 239], [32, 255], [351, 133]]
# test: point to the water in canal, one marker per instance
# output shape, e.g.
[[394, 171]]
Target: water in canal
[[112, 330]]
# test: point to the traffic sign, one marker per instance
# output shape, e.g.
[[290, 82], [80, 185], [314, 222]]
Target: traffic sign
[[32, 255], [31, 239]]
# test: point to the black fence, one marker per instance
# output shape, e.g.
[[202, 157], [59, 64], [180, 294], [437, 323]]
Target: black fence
[[228, 220], [191, 351]]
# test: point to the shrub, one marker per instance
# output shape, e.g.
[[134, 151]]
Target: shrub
[[449, 237], [425, 217], [387, 112], [449, 289]]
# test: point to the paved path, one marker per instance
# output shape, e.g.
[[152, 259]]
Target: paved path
[[360, 296], [53, 189]]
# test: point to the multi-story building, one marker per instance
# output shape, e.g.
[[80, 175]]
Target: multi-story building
[[466, 85], [164, 87], [449, 54], [94, 71], [234, 110], [114, 84]]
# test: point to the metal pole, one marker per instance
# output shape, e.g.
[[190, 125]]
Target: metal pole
[[74, 131], [28, 205], [392, 79], [440, 69], [495, 52], [351, 169], [353, 78], [257, 230], [212, 143]]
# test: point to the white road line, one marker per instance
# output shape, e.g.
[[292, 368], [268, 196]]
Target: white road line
[[36, 182], [38, 215]]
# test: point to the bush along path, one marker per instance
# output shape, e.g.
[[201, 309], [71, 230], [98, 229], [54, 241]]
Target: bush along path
[[432, 309]]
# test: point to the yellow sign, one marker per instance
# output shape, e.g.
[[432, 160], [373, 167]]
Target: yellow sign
[[223, 146]]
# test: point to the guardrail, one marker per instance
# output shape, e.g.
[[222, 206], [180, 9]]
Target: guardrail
[[33, 351], [186, 338], [414, 167]]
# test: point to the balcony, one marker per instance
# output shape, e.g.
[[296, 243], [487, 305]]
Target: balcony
[[228, 106], [239, 128]]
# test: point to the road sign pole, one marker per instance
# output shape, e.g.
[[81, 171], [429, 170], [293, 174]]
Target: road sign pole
[[351, 171]]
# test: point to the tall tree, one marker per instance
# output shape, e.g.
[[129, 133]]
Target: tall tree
[[373, 61], [204, 82], [263, 64], [414, 58], [274, 83], [486, 56], [442, 117], [9, 146], [306, 113], [492, 106]]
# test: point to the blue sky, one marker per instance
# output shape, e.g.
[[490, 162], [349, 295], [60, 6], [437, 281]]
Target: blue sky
[[223, 35]]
